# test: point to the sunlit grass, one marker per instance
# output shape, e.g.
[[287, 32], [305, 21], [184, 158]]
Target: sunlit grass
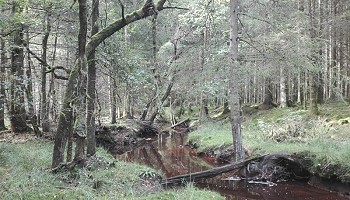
[[211, 136]]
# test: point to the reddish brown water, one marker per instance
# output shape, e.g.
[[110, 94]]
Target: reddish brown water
[[170, 154]]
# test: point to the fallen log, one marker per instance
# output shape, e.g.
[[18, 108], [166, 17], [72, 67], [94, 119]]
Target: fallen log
[[197, 176], [269, 167]]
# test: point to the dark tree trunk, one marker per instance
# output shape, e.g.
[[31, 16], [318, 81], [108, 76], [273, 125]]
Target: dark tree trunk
[[91, 86], [268, 93], [2, 84], [17, 108]]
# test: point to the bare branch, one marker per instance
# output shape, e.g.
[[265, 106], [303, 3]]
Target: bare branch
[[175, 7], [123, 10]]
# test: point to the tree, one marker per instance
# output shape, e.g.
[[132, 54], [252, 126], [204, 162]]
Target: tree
[[91, 83], [17, 109], [66, 116], [44, 114], [234, 83], [2, 84]]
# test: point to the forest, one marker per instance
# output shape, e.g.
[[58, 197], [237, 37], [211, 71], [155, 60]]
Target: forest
[[108, 99]]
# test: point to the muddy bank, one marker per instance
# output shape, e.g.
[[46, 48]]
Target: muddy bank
[[125, 135]]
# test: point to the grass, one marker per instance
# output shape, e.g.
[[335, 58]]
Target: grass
[[25, 174], [323, 138]]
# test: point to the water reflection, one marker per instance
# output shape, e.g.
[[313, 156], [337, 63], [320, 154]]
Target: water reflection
[[169, 154]]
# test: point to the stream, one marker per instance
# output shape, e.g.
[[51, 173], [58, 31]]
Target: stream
[[169, 154]]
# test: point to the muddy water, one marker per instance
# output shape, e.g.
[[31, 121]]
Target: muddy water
[[169, 154]]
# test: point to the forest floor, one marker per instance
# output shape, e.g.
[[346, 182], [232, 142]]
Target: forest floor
[[25, 174], [323, 139]]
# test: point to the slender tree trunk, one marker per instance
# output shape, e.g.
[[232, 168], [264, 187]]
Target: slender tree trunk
[[44, 115], [113, 102], [52, 91], [313, 74], [268, 98], [91, 86], [283, 88], [320, 81], [2, 84], [203, 113], [234, 83], [29, 87], [333, 67]]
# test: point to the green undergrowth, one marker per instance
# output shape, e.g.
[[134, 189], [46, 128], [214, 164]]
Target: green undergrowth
[[323, 138], [25, 174]]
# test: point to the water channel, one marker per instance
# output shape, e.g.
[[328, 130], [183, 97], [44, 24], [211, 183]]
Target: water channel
[[169, 154]]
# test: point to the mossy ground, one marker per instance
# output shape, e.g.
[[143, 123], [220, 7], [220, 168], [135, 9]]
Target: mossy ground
[[323, 138], [25, 174]]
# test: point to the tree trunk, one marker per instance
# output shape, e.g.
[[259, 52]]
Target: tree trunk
[[29, 87], [44, 115], [313, 74], [283, 87], [65, 124], [52, 91], [234, 83], [203, 112], [17, 105], [91, 86], [112, 99], [2, 84]]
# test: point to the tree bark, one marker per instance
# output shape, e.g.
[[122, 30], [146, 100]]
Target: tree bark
[[17, 108], [44, 115], [313, 74], [91, 86], [112, 99], [234, 83], [65, 124], [2, 84], [283, 87]]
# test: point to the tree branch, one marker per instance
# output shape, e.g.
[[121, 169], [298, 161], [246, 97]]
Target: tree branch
[[51, 69], [118, 24], [175, 7], [123, 10]]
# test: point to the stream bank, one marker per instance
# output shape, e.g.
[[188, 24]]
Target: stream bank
[[169, 153]]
